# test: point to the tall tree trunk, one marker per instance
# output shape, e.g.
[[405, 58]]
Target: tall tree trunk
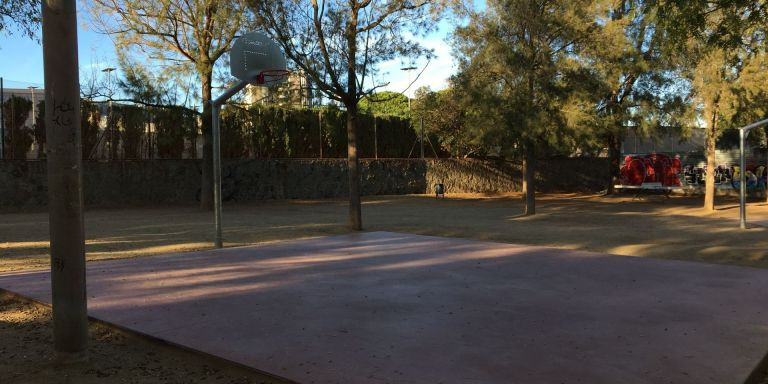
[[529, 168], [65, 179], [709, 184], [206, 182], [614, 162], [353, 164], [529, 180]]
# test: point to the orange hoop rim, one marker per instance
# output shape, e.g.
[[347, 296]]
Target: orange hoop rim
[[268, 76]]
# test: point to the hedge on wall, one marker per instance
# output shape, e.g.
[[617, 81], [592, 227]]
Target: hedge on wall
[[135, 132], [130, 121], [90, 117], [18, 136], [268, 132]]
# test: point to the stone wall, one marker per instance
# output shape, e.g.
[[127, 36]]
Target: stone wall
[[146, 183]]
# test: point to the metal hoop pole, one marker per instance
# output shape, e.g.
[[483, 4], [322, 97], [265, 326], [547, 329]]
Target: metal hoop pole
[[742, 182], [218, 242], [743, 132], [216, 133]]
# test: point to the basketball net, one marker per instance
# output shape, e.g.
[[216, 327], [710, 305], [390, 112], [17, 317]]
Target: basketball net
[[271, 77]]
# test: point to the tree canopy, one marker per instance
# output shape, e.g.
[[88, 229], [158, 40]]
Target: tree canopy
[[725, 46], [518, 58], [385, 103], [20, 15], [339, 45], [186, 36]]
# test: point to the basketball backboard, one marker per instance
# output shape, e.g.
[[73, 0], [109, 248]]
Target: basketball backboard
[[254, 57]]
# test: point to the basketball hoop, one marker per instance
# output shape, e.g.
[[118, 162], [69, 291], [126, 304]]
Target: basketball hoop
[[271, 77], [250, 55], [258, 59]]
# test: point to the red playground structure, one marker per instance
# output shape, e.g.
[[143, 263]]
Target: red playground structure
[[651, 171]]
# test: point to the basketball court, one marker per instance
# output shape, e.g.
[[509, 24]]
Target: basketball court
[[383, 307]]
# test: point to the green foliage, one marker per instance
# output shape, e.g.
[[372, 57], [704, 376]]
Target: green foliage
[[445, 119], [725, 45], [518, 55], [246, 133], [18, 136], [234, 124], [139, 84], [173, 125], [187, 35], [90, 117], [21, 15], [129, 121], [340, 44], [39, 129], [292, 133], [191, 36], [715, 23], [386, 103]]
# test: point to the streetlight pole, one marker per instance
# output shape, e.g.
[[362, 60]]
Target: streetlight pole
[[34, 117], [408, 71], [421, 136], [216, 131], [112, 153], [108, 71]]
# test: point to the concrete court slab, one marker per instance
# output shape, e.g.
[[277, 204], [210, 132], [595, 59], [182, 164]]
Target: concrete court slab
[[397, 308]]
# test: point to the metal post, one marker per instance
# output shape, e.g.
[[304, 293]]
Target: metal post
[[742, 182], [422, 137], [743, 132], [320, 128], [34, 110], [111, 127], [13, 124], [217, 174], [216, 131], [65, 192], [375, 139]]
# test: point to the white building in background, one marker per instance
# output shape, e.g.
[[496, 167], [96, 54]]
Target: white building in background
[[294, 93]]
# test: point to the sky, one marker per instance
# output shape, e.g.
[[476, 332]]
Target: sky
[[21, 60]]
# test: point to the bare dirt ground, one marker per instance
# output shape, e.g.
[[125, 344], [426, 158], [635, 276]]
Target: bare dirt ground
[[652, 226], [115, 357]]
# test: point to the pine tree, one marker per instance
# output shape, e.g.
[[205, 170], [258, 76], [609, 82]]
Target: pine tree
[[517, 55]]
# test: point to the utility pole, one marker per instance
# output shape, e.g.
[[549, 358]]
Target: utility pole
[[422, 136], [65, 191], [34, 110], [112, 154], [408, 71], [34, 117]]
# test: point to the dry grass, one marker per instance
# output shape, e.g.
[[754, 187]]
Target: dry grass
[[653, 226], [26, 356]]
